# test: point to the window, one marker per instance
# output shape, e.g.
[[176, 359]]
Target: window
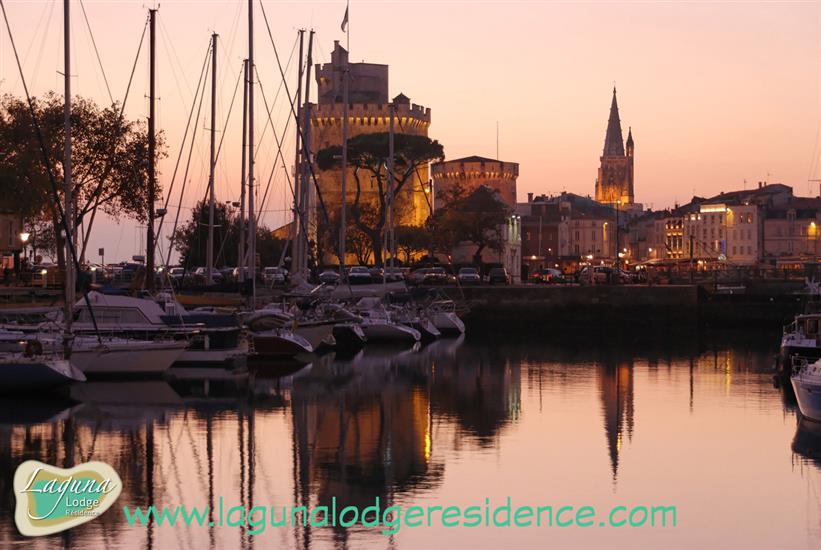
[[750, 250], [734, 250], [593, 235]]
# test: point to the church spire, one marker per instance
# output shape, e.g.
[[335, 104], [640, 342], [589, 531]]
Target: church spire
[[613, 144]]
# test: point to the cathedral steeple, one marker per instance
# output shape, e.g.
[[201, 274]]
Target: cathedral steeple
[[613, 144], [615, 182], [629, 144]]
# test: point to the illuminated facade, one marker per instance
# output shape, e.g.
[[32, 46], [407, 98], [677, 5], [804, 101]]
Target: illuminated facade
[[368, 113], [614, 184], [473, 172]]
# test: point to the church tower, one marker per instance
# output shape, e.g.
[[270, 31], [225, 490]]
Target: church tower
[[615, 182]]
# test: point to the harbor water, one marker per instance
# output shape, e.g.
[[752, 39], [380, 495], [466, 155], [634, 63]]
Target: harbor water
[[690, 420]]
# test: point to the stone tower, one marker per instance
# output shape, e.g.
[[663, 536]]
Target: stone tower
[[615, 182], [368, 113]]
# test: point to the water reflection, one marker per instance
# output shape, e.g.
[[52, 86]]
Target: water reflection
[[443, 421]]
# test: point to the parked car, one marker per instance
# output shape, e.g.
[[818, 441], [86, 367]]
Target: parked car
[[176, 274], [498, 275], [394, 274], [417, 277], [548, 275], [437, 276], [239, 274], [227, 274], [604, 275], [359, 275], [469, 276], [274, 276], [200, 274], [329, 277]]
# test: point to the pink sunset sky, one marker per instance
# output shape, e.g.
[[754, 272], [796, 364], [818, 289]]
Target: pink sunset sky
[[716, 93]]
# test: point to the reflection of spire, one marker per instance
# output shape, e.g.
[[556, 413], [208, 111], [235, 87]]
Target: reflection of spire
[[616, 387]]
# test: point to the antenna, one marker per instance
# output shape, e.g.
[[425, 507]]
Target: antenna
[[497, 140]]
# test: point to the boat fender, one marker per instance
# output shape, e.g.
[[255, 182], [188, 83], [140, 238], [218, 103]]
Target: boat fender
[[33, 347]]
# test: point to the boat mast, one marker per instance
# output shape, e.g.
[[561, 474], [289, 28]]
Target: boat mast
[[304, 202], [209, 253], [69, 201], [252, 225], [152, 174], [295, 228], [241, 253], [391, 232], [344, 182]]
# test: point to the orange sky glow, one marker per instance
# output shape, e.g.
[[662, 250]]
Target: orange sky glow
[[716, 93]]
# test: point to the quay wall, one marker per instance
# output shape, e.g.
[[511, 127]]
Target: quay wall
[[628, 305]]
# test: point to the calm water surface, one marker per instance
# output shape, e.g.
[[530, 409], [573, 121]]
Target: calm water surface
[[689, 420]]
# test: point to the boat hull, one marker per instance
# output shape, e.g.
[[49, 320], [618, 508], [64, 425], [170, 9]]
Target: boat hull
[[349, 337], [448, 322], [29, 374], [280, 344], [390, 332], [127, 359], [808, 394]]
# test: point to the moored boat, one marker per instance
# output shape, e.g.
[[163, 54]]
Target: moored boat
[[280, 343], [25, 372], [806, 382]]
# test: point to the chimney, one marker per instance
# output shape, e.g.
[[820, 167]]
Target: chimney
[[530, 197], [760, 184]]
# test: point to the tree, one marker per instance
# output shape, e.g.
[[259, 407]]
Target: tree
[[191, 240], [109, 162], [368, 154], [411, 240], [356, 242], [473, 217]]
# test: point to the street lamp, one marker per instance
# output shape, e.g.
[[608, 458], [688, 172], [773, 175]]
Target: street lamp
[[24, 237]]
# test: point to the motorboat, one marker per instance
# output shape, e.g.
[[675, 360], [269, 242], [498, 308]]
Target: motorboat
[[349, 337], [317, 331], [279, 342], [379, 326], [800, 339], [211, 338], [33, 372], [806, 383], [443, 315]]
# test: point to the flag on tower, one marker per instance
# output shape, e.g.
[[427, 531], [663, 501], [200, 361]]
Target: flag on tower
[[345, 19]]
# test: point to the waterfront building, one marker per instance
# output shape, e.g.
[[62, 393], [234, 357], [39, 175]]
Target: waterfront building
[[566, 229], [368, 113], [11, 241], [471, 173], [507, 255], [614, 184], [791, 232]]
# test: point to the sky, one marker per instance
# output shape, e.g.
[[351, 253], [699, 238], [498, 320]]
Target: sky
[[717, 93]]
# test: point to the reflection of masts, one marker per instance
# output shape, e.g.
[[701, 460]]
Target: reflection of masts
[[149, 478], [209, 453]]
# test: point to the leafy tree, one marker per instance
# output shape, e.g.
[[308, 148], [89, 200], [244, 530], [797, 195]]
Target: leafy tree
[[356, 242], [473, 217], [109, 162], [368, 154], [412, 240], [191, 240]]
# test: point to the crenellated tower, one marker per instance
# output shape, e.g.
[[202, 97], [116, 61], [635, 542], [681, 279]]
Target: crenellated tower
[[614, 184], [368, 113]]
